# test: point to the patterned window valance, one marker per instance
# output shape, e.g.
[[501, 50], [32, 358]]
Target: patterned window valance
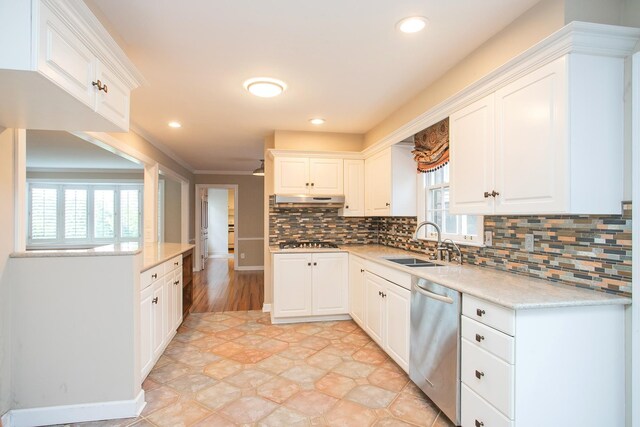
[[432, 147]]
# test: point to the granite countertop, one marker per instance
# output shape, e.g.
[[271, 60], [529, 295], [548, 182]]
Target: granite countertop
[[120, 249], [506, 289], [157, 253], [276, 250]]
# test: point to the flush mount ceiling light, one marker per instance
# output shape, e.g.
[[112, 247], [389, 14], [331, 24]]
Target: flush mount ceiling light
[[412, 24], [260, 170], [317, 121], [175, 125], [265, 87]]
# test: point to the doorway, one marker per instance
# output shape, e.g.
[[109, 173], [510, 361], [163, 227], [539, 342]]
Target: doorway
[[217, 222]]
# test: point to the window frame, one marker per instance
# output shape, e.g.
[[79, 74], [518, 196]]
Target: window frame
[[90, 241], [429, 233]]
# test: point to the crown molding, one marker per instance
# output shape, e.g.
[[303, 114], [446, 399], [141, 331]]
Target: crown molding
[[218, 172], [355, 155], [575, 37], [166, 150]]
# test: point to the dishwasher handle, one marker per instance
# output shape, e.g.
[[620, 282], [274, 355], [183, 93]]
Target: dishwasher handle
[[433, 295]]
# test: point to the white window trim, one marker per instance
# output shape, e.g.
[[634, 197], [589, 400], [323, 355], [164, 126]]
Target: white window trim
[[428, 233], [90, 240]]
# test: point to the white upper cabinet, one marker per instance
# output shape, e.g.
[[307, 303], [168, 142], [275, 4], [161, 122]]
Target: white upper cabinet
[[353, 188], [302, 175], [390, 182], [550, 142], [63, 70]]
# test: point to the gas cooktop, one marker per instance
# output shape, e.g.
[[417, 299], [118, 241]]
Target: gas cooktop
[[305, 245]]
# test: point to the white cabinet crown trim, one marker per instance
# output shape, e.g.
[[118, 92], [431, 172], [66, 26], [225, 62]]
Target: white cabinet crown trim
[[575, 37], [88, 28], [350, 155]]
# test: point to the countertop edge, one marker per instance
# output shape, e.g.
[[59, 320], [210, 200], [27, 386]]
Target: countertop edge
[[185, 247], [604, 298]]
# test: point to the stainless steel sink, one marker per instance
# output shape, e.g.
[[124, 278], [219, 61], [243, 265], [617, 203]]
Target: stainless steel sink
[[413, 262]]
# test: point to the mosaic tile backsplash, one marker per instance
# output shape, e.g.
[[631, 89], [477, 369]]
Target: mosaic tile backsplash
[[590, 251]]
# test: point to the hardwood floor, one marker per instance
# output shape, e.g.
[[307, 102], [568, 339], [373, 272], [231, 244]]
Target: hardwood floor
[[220, 288]]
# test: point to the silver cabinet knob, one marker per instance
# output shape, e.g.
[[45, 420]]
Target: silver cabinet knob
[[480, 312], [155, 300], [479, 337], [479, 423], [479, 374]]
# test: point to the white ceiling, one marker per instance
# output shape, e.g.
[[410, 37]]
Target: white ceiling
[[48, 149], [342, 60]]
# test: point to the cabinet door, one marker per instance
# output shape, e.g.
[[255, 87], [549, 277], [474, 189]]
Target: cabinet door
[[291, 175], [378, 184], [326, 176], [397, 324], [64, 58], [177, 301], [356, 289], [374, 286], [531, 142], [292, 285], [146, 330], [330, 283], [471, 139], [167, 307], [353, 188], [158, 301], [113, 101]]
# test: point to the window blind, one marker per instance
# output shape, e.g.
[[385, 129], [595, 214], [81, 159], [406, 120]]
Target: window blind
[[44, 213]]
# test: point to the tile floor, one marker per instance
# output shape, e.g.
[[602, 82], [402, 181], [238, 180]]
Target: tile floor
[[236, 368]]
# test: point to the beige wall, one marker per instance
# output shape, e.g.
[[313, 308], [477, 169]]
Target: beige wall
[[172, 211], [317, 141], [6, 247], [531, 27], [145, 147], [250, 214], [269, 143]]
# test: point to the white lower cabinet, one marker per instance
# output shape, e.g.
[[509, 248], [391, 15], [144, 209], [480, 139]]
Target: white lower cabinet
[[534, 367], [310, 284], [356, 289], [160, 310], [388, 316]]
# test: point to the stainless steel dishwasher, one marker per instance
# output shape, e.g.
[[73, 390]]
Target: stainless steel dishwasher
[[435, 344]]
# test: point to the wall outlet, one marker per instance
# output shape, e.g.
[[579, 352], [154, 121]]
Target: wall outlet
[[528, 242], [242, 255], [488, 238]]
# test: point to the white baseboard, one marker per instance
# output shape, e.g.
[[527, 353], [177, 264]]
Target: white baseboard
[[5, 420], [266, 308], [76, 413], [220, 255], [281, 320], [250, 267]]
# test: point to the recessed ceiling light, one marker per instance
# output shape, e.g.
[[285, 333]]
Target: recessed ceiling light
[[175, 125], [265, 87], [317, 121], [413, 24]]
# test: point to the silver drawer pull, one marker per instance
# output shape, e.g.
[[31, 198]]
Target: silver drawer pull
[[479, 338], [479, 423], [480, 312], [479, 374], [154, 276], [155, 300]]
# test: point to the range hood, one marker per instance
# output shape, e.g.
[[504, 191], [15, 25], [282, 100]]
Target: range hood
[[304, 200]]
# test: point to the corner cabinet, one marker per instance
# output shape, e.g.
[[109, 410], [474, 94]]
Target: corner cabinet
[[550, 142], [310, 286], [302, 175], [390, 182], [62, 69], [353, 188]]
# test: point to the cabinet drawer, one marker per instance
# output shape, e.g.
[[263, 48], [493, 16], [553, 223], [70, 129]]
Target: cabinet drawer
[[151, 275], [173, 263], [477, 412], [500, 318], [390, 274], [495, 342], [488, 376]]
